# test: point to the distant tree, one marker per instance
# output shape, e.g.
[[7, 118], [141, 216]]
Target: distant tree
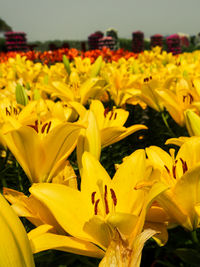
[[4, 27]]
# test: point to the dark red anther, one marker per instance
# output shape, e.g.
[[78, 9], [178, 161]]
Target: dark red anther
[[43, 127], [146, 79], [96, 206], [49, 125], [111, 114], [115, 116], [35, 127], [7, 112], [15, 111], [93, 197], [105, 200], [184, 165], [191, 98], [106, 111], [174, 171], [167, 168], [114, 198]]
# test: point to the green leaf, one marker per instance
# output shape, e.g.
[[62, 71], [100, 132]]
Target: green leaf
[[28, 86], [95, 69], [36, 94], [187, 255], [21, 96], [66, 64]]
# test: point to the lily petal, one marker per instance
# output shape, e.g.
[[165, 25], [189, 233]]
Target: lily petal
[[64, 202], [15, 248], [47, 241]]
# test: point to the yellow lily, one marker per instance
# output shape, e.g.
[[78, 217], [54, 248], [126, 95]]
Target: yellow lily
[[106, 207], [179, 100], [40, 151], [149, 94], [181, 174], [15, 250], [104, 128], [110, 122], [122, 83]]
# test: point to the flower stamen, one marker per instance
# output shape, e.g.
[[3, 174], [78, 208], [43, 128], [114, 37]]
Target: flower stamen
[[96, 207], [105, 200], [113, 196], [93, 197]]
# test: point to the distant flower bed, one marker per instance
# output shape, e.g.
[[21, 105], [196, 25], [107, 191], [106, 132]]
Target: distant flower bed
[[50, 57]]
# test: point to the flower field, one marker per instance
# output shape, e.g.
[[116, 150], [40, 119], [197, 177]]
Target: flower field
[[100, 158]]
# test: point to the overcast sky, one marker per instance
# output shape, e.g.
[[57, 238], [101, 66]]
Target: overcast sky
[[76, 19]]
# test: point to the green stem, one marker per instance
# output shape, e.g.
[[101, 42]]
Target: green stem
[[6, 157], [4, 183], [194, 237], [167, 125], [19, 177]]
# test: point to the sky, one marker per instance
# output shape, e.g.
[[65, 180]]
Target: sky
[[44, 20]]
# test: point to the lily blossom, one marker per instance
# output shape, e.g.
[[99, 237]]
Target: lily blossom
[[106, 207], [181, 174], [40, 151]]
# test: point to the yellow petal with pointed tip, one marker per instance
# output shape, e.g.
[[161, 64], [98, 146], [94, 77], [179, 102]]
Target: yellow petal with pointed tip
[[31, 208], [25, 145], [64, 202], [59, 144], [129, 173], [177, 141], [90, 88], [130, 130], [15, 250], [89, 139], [159, 157], [47, 241], [110, 134], [92, 173], [192, 123]]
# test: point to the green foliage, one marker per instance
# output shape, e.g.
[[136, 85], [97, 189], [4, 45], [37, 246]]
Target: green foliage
[[2, 45], [21, 96], [4, 27], [126, 44]]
